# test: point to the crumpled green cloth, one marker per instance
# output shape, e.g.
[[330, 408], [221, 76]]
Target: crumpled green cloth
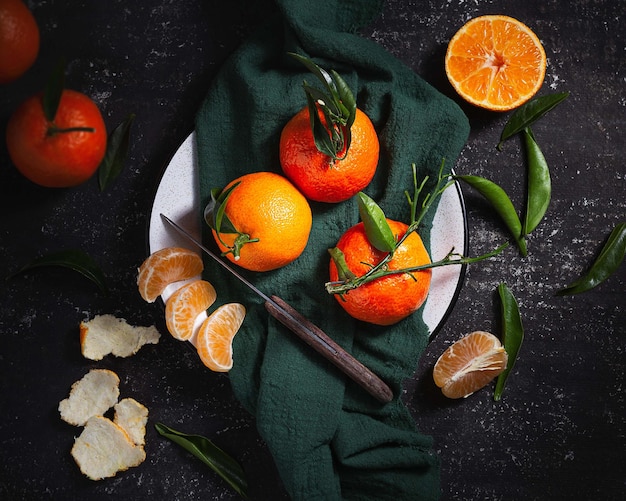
[[329, 438]]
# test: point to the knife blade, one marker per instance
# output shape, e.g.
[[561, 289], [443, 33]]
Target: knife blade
[[306, 330]]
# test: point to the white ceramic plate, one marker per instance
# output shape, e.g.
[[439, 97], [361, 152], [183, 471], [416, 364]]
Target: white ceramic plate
[[177, 198]]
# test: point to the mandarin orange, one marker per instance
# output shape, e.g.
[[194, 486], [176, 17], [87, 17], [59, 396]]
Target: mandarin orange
[[272, 218], [19, 40], [389, 299], [60, 153], [164, 267], [469, 364], [495, 62], [319, 176]]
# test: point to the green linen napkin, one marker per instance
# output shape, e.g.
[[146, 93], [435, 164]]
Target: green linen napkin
[[329, 438]]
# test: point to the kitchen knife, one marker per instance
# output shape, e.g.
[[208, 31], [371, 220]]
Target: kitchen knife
[[305, 330]]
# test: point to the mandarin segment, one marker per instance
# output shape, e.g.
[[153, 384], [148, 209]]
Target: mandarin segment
[[215, 337], [164, 267], [185, 304], [469, 364], [495, 62]]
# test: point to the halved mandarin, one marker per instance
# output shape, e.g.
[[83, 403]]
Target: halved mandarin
[[185, 304], [469, 364], [164, 267], [495, 62], [215, 337]]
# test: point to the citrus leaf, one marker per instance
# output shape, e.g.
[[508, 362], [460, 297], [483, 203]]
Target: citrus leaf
[[539, 184], [512, 334], [376, 226], [346, 98], [608, 261], [501, 202], [76, 260], [529, 113], [53, 91], [320, 73], [214, 212], [211, 455], [338, 105], [117, 150]]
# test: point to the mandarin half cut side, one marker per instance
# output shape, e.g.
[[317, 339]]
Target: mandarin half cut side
[[495, 62]]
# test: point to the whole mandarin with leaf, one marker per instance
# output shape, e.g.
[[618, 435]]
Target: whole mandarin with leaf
[[388, 299], [261, 222], [330, 148], [61, 151], [19, 40]]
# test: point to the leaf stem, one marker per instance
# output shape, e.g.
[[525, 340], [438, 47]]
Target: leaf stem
[[53, 129], [381, 269]]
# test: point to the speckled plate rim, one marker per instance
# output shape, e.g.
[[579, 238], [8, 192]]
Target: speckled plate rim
[[177, 193]]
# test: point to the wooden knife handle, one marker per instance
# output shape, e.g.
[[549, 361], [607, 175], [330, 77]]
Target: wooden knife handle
[[317, 339]]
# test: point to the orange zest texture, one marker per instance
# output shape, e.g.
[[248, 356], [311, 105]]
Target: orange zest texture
[[495, 62], [272, 215], [19, 40], [319, 176], [469, 364]]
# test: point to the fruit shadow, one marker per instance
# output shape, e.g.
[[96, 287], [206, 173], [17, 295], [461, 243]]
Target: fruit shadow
[[433, 71]]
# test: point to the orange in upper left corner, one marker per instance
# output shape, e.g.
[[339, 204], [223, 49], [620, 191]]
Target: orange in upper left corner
[[495, 62], [19, 40]]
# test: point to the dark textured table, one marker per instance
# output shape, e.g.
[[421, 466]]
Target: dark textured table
[[559, 431]]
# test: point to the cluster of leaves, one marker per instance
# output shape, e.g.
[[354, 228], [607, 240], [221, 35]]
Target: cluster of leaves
[[338, 106], [539, 193], [537, 202], [217, 219]]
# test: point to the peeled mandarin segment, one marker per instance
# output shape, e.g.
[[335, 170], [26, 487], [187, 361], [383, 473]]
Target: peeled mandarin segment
[[469, 364], [215, 337], [184, 306], [495, 62], [164, 267]]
